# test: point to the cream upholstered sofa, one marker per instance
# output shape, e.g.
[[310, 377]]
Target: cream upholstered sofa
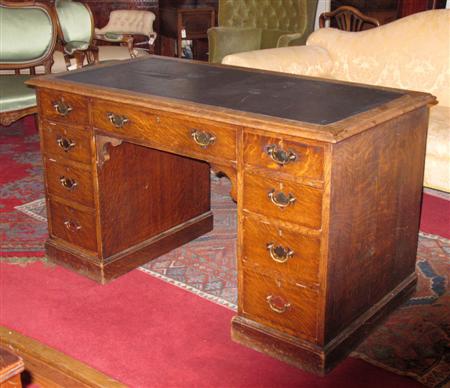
[[410, 53], [130, 22]]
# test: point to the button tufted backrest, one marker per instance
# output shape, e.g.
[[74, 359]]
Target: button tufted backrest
[[282, 15], [130, 22]]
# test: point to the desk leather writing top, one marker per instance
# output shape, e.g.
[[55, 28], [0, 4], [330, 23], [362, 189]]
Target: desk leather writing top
[[284, 96]]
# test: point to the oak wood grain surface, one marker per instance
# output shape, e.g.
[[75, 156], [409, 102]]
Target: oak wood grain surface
[[72, 182], [305, 210], [67, 141], [167, 132], [301, 266], [307, 159], [73, 225], [159, 202], [281, 305]]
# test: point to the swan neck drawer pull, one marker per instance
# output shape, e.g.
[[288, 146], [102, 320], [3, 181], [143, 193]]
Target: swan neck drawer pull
[[65, 144], [117, 120], [68, 183], [202, 138], [62, 108], [278, 253], [72, 226], [277, 304], [280, 156], [281, 200]]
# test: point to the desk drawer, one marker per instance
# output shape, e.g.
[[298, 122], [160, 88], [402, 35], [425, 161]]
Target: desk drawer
[[191, 138], [283, 306], [69, 182], [72, 225], [287, 201], [64, 107], [281, 250], [298, 159], [68, 142]]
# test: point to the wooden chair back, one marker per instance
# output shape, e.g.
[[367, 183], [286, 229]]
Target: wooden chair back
[[76, 32], [347, 18]]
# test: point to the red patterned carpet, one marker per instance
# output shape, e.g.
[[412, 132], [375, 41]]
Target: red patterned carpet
[[414, 340]]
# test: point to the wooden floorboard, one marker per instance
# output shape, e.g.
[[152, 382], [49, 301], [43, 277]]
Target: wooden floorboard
[[48, 367]]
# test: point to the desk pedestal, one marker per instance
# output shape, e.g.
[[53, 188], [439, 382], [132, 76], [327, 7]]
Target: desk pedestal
[[108, 218]]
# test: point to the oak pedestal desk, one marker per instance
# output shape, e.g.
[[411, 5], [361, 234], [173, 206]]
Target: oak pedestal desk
[[327, 177]]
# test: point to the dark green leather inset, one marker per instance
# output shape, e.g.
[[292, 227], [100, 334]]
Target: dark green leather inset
[[29, 32], [279, 22], [14, 94]]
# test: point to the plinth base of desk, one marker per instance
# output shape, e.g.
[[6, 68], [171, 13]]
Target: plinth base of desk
[[311, 357], [103, 271]]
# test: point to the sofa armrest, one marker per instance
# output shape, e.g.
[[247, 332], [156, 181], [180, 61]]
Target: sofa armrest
[[437, 161], [301, 60], [297, 39], [229, 40]]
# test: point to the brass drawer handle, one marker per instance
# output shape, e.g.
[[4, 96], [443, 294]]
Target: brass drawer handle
[[117, 120], [281, 200], [61, 108], [65, 144], [277, 304], [279, 253], [72, 226], [280, 156], [68, 183], [202, 138]]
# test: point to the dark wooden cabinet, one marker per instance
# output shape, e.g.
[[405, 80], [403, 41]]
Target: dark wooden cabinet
[[408, 7], [384, 11], [187, 23], [389, 10]]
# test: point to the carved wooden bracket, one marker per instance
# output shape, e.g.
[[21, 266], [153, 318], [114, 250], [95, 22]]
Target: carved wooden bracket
[[102, 148], [230, 172]]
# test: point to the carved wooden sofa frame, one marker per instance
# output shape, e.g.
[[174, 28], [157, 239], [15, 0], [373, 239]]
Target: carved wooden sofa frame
[[16, 99]]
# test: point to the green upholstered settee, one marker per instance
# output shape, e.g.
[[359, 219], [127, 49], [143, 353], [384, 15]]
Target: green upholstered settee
[[246, 25], [27, 39]]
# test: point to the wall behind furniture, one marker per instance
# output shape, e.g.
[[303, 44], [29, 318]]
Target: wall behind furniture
[[322, 6]]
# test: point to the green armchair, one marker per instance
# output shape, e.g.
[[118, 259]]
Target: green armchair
[[246, 25], [76, 32], [28, 36]]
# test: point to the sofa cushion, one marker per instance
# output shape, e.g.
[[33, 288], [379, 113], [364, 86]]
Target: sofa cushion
[[14, 94], [437, 163], [303, 60], [71, 47]]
